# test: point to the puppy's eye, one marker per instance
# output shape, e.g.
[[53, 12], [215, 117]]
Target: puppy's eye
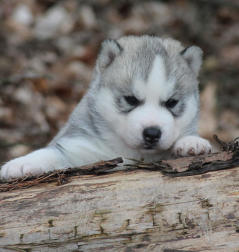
[[171, 103], [132, 100]]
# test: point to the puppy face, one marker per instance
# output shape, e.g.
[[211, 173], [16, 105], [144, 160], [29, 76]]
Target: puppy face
[[147, 93]]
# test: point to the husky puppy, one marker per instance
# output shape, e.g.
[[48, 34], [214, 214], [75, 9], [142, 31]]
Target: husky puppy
[[143, 102]]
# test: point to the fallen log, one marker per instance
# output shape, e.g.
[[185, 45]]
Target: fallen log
[[187, 206]]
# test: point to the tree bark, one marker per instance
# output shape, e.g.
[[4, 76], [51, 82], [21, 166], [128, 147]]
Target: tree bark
[[124, 211]]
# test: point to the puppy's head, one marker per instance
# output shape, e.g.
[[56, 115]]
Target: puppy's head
[[147, 90]]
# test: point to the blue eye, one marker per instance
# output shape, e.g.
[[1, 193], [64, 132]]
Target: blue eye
[[171, 103], [132, 100]]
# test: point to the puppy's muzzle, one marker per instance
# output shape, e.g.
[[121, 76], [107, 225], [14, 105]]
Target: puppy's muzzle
[[151, 136]]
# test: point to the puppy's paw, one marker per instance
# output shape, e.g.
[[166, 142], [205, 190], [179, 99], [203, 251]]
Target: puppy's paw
[[191, 146], [20, 167], [35, 163]]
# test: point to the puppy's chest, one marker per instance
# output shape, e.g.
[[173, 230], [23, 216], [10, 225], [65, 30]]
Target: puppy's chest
[[156, 156], [129, 154]]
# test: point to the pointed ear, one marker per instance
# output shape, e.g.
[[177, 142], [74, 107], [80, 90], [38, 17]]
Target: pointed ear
[[110, 49], [193, 56]]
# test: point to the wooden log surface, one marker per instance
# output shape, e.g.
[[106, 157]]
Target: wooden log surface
[[124, 211]]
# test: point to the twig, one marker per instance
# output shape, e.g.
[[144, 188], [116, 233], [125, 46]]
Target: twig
[[190, 166], [230, 146], [60, 175]]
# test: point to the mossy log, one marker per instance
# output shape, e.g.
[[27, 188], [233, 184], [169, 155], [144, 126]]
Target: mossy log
[[124, 211]]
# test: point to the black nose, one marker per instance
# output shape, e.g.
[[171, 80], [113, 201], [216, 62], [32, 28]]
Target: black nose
[[151, 135]]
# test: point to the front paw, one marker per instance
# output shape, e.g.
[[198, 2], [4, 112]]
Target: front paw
[[35, 163], [20, 167], [191, 146]]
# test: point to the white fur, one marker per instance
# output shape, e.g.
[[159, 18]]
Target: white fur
[[158, 87], [191, 145], [91, 150], [35, 163], [189, 113]]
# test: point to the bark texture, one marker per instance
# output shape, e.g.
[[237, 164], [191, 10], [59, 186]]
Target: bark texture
[[124, 211]]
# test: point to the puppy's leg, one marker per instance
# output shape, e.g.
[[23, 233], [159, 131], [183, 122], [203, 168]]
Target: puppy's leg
[[35, 163], [66, 152], [191, 145]]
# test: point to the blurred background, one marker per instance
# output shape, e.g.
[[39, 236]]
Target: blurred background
[[48, 50]]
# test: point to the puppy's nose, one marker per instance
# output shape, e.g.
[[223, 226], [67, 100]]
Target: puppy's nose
[[151, 134]]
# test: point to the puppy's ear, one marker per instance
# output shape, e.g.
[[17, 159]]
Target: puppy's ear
[[109, 50], [193, 56]]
